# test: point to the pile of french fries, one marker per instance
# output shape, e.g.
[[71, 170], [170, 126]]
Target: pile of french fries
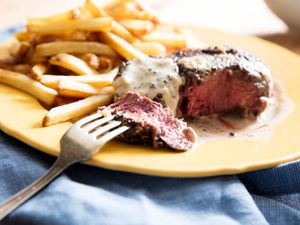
[[68, 61]]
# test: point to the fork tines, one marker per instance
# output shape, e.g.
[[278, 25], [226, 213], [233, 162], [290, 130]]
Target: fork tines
[[100, 126]]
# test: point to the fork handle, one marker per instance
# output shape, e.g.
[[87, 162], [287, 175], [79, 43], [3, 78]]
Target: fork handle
[[19, 198]]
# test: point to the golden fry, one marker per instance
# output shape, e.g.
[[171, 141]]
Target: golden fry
[[28, 85], [103, 24], [117, 29], [22, 36], [121, 46], [72, 63], [130, 11], [77, 13], [22, 68], [113, 3], [76, 89], [138, 27], [151, 48], [149, 12], [122, 32], [63, 101], [33, 58], [73, 47], [76, 109], [72, 14], [106, 64], [7, 63], [38, 70], [91, 59], [20, 49], [95, 9], [76, 36], [100, 80]]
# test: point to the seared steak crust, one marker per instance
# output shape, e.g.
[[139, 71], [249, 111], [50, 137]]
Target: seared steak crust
[[232, 67], [226, 59], [138, 134]]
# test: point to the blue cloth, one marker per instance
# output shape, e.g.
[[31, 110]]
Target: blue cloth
[[88, 195]]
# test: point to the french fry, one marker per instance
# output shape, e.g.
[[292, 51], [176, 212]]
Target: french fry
[[141, 6], [103, 24], [28, 85], [76, 109], [22, 68], [91, 59], [151, 48], [20, 49], [102, 80], [38, 70], [130, 11], [168, 39], [72, 14], [76, 36], [33, 58], [7, 63], [22, 36], [52, 81], [138, 27], [72, 63], [63, 101], [113, 3], [106, 64], [77, 13], [95, 9], [38, 39], [121, 46], [73, 47], [121, 31], [117, 29], [84, 13], [76, 89], [121, 12]]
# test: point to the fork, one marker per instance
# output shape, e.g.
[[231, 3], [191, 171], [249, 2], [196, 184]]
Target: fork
[[78, 144]]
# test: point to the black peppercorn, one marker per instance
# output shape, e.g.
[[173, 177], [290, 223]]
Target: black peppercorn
[[152, 86], [159, 95]]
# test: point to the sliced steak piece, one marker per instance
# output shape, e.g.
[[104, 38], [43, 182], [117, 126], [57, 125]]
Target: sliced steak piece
[[221, 80], [150, 123]]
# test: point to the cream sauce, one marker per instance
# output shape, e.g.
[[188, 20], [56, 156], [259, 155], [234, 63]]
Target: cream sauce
[[153, 78], [214, 127]]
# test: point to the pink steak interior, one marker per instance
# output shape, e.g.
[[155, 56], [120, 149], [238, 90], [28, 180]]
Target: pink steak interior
[[221, 92]]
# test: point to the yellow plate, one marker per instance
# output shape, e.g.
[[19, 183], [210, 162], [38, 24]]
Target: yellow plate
[[21, 115]]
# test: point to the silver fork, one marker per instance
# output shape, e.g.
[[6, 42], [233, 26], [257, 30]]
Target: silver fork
[[78, 144]]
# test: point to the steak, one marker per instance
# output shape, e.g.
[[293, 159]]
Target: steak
[[222, 80], [187, 84], [150, 123]]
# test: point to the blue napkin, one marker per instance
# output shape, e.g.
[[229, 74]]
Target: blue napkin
[[88, 195]]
